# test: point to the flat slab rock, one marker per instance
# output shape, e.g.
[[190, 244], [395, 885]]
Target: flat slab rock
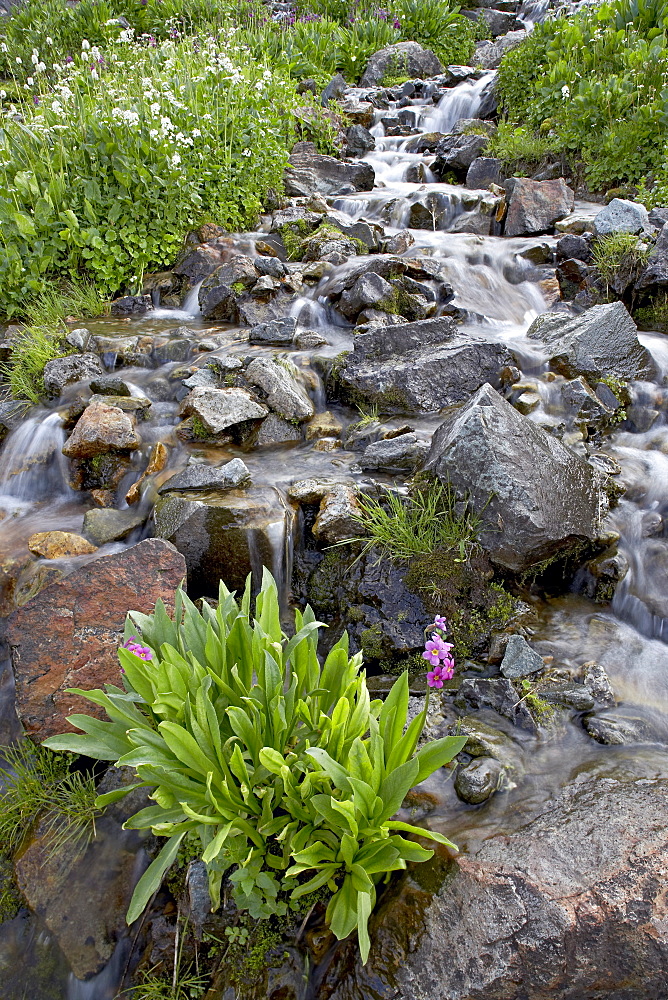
[[571, 906], [68, 635]]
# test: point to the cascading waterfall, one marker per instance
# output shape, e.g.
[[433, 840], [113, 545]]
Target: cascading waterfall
[[33, 466]]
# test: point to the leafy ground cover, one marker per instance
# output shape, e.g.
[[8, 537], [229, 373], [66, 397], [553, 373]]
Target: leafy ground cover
[[594, 86]]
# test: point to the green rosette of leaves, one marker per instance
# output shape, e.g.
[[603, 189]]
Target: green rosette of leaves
[[279, 768]]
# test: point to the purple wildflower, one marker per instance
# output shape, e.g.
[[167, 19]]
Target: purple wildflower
[[396, 23], [143, 652], [440, 622], [35, 99], [70, 59]]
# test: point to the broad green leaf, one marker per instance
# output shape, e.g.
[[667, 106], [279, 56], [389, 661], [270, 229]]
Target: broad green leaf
[[364, 908], [420, 832], [436, 754], [396, 787], [152, 878]]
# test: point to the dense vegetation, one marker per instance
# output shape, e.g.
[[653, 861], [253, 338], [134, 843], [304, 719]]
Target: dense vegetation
[[281, 772], [593, 86], [116, 140]]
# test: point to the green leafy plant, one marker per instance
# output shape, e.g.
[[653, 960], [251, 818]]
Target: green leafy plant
[[31, 351], [282, 766], [598, 79], [427, 519], [41, 785], [437, 26]]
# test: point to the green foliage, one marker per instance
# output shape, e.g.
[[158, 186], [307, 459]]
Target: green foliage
[[520, 148], [617, 249], [10, 897], [43, 340], [31, 350], [283, 767], [542, 711], [598, 79], [37, 785], [401, 528], [105, 176], [367, 415], [439, 27]]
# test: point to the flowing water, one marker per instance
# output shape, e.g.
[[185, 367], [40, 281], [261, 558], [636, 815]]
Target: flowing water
[[497, 289]]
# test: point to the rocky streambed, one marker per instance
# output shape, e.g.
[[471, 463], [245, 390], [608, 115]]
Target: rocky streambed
[[408, 310]]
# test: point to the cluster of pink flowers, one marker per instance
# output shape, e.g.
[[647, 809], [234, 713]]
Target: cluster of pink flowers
[[143, 652], [437, 653]]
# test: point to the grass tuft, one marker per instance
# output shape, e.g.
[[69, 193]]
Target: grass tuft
[[38, 784]]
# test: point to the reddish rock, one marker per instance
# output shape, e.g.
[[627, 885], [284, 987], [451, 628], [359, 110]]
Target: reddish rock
[[100, 429], [68, 635], [535, 206]]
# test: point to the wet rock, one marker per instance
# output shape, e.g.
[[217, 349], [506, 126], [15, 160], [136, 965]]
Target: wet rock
[[417, 367], [231, 475], [217, 535], [573, 276], [483, 740], [68, 635], [59, 545], [310, 172], [284, 393], [497, 693], [110, 385], [569, 695], [323, 425], [537, 914], [157, 460], [64, 371], [100, 429], [655, 272], [457, 152], [483, 171], [617, 729], [586, 405], [275, 430], [536, 498], [277, 331], [572, 247], [219, 409], [176, 349], [535, 206], [477, 781], [520, 660], [489, 54], [81, 897], [101, 526], [621, 216], [78, 339], [136, 406], [359, 141], [405, 57], [370, 291], [598, 684], [602, 341], [132, 305], [399, 243], [406, 452], [336, 519], [11, 416], [199, 899]]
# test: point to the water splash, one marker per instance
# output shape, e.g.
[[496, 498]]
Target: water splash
[[33, 465]]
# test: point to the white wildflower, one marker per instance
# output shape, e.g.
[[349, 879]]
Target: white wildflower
[[40, 67], [246, 152], [49, 40], [34, 58], [85, 45], [94, 73], [19, 61], [174, 161], [3, 47], [30, 81], [565, 92]]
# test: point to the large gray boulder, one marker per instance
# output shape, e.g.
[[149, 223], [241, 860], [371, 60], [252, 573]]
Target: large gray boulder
[[209, 477], [621, 216], [457, 152], [218, 409], [418, 367], [535, 206], [311, 172], [406, 58], [536, 498], [64, 371], [489, 54], [568, 907], [601, 341], [279, 381]]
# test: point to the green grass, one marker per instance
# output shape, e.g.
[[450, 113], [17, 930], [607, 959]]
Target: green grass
[[520, 148], [400, 528], [55, 304], [40, 785], [610, 252], [368, 415]]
